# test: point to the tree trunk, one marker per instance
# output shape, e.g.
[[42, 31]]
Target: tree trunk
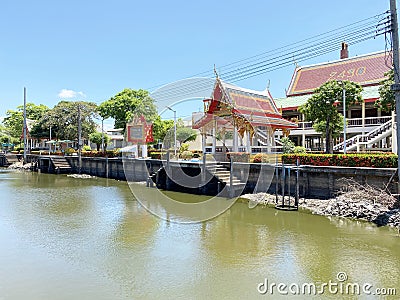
[[327, 137], [98, 147]]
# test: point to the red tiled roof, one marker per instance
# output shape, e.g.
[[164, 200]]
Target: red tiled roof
[[366, 70], [247, 103]]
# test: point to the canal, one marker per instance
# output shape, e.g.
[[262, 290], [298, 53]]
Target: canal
[[67, 238]]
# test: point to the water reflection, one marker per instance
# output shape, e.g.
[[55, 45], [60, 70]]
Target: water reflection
[[95, 232]]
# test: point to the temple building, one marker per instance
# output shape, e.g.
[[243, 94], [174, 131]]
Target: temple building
[[236, 119], [368, 128]]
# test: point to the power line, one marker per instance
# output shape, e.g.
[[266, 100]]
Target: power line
[[363, 31], [331, 35]]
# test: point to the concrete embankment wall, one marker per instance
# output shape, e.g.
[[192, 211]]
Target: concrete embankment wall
[[314, 182]]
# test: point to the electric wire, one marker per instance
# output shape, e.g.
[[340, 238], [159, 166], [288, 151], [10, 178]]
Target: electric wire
[[361, 32]]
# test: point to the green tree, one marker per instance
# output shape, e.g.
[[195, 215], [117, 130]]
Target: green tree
[[63, 119], [287, 145], [386, 100], [185, 134], [321, 108], [337, 127], [5, 137], [160, 128], [128, 104], [98, 137], [15, 118]]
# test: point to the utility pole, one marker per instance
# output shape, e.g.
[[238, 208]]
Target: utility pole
[[344, 119], [396, 86], [24, 128]]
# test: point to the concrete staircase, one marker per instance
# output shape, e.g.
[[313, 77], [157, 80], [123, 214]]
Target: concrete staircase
[[262, 138], [61, 165], [224, 176], [374, 136], [11, 158]]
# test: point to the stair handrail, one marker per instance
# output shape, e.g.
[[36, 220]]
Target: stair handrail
[[369, 136], [384, 126]]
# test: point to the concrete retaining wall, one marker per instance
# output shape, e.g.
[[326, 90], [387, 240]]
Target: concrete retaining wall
[[314, 182]]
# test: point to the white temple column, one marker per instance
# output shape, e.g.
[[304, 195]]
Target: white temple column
[[203, 140], [248, 141], [214, 135], [235, 147], [363, 116], [144, 150]]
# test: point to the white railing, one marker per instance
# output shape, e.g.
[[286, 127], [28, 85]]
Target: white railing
[[262, 137], [304, 125], [368, 121], [367, 138], [356, 122], [265, 149]]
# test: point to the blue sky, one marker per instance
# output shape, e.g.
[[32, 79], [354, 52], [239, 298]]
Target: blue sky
[[91, 50]]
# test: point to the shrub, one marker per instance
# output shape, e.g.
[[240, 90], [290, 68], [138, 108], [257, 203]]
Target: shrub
[[107, 153], [288, 145], [239, 156], [299, 149], [86, 148], [184, 147], [263, 157], [69, 151], [186, 155], [374, 160], [157, 154]]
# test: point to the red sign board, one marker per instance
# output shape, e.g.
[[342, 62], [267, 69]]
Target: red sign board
[[139, 131]]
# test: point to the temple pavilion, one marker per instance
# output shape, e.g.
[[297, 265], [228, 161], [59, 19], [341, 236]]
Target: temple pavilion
[[239, 119]]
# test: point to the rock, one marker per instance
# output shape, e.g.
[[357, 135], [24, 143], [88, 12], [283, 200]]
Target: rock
[[20, 166], [81, 176]]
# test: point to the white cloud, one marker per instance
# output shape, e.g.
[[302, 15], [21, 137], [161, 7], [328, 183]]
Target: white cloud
[[68, 94]]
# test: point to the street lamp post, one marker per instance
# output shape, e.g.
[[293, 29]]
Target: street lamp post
[[174, 111], [344, 115], [102, 134], [25, 128], [344, 118]]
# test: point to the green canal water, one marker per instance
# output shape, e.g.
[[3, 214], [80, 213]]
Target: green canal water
[[66, 238]]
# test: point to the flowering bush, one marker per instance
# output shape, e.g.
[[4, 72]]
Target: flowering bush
[[157, 154], [374, 160], [263, 157], [69, 151], [186, 154], [108, 153]]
